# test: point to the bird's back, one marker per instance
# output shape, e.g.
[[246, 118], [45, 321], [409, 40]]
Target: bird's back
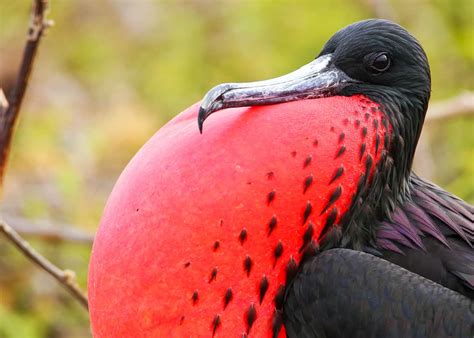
[[348, 293]]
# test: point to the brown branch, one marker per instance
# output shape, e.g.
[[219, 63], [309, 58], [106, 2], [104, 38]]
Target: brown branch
[[66, 277], [381, 9], [3, 103], [45, 230], [460, 105], [9, 111], [8, 116]]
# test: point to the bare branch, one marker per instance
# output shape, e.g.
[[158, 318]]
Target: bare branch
[[461, 105], [3, 102], [457, 106], [66, 277], [9, 111], [8, 117], [381, 9], [45, 230]]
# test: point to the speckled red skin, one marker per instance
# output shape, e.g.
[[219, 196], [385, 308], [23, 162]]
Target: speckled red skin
[[184, 191]]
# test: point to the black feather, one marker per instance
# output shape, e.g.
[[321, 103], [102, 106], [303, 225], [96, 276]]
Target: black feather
[[248, 263], [228, 296], [307, 211], [250, 317], [376, 299], [263, 288]]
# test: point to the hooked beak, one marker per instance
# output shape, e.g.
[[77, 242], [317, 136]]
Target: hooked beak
[[318, 78]]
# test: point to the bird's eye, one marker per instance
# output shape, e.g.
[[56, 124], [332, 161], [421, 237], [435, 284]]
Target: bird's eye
[[380, 63]]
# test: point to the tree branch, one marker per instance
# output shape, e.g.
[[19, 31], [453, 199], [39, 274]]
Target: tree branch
[[9, 111], [8, 116], [45, 230], [460, 105], [66, 277], [3, 103]]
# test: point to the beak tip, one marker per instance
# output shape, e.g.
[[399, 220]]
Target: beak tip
[[201, 118]]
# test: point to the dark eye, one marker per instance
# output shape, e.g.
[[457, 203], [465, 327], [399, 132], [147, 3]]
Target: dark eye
[[380, 62]]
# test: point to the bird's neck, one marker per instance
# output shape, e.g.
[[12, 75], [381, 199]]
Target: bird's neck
[[406, 113], [390, 185]]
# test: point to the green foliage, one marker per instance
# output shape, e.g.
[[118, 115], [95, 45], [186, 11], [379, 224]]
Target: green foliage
[[15, 324], [458, 154], [110, 73]]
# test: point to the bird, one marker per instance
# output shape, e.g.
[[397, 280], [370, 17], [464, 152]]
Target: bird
[[403, 218], [295, 212]]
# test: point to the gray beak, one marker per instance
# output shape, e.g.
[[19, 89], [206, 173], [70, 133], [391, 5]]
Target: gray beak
[[318, 78]]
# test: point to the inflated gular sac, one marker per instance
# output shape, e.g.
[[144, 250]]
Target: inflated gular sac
[[202, 232]]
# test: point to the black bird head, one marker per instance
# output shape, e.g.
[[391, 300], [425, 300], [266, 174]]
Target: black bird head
[[383, 59], [376, 58], [388, 65]]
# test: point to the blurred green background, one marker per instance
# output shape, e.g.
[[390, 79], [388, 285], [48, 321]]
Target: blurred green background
[[111, 72]]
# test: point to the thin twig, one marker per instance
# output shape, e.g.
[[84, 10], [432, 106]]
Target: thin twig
[[66, 277], [9, 111], [8, 117], [49, 231], [3, 103], [381, 9], [460, 105]]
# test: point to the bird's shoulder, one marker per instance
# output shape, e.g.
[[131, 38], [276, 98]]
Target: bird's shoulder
[[432, 233]]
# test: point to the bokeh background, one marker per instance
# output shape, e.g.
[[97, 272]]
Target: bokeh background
[[111, 72]]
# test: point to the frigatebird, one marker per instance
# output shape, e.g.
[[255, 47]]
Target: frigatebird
[[294, 213], [411, 243]]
